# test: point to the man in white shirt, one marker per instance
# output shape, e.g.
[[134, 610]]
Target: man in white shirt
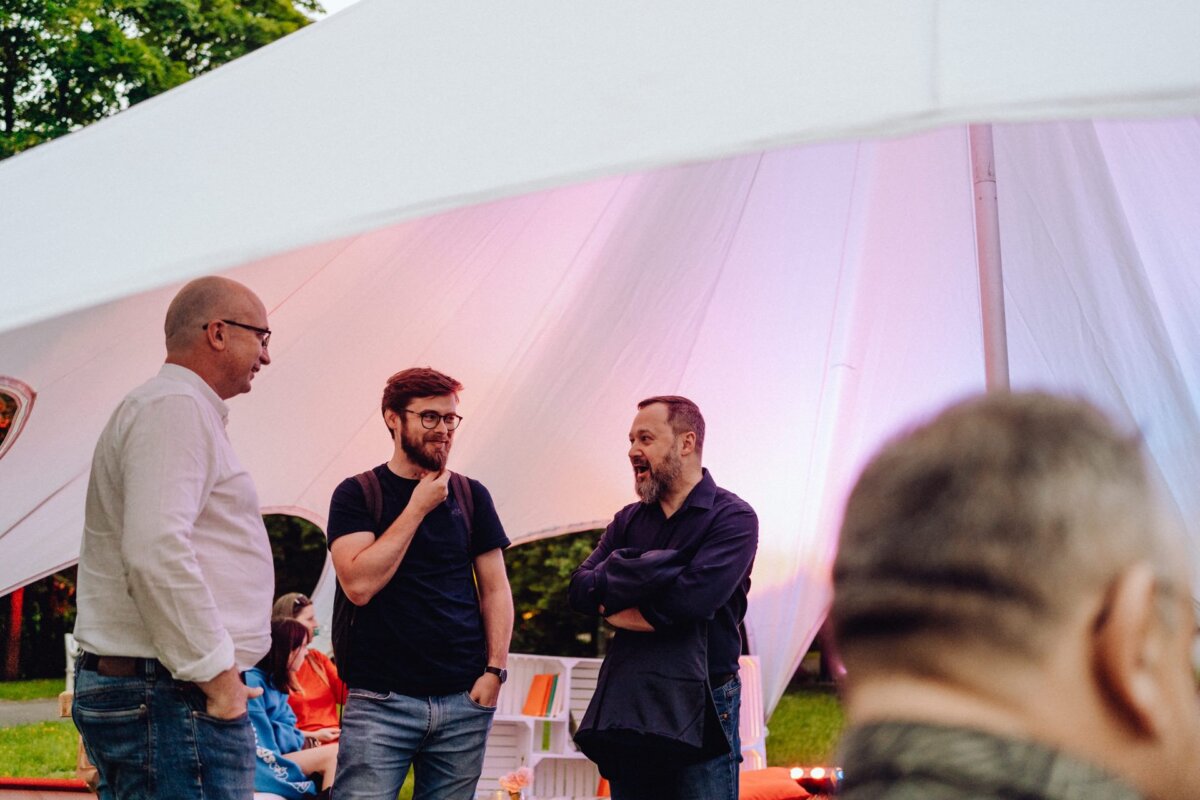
[[175, 570]]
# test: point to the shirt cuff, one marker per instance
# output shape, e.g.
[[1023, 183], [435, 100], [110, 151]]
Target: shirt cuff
[[205, 668]]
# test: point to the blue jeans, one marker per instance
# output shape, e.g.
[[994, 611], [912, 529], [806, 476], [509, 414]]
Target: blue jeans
[[441, 737], [150, 737], [715, 779]]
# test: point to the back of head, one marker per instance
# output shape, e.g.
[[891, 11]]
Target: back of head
[[288, 605], [980, 531], [287, 636], [197, 303]]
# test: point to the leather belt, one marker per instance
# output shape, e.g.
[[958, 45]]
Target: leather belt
[[121, 666]]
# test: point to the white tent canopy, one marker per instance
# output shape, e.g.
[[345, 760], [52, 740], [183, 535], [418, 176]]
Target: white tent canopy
[[810, 298]]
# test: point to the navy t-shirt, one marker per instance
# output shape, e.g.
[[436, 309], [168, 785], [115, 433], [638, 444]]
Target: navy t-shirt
[[422, 633]]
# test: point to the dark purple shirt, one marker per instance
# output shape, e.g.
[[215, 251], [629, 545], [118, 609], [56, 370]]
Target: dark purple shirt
[[717, 532]]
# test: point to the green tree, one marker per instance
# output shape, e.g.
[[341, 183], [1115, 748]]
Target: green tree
[[299, 550], [67, 63], [540, 573]]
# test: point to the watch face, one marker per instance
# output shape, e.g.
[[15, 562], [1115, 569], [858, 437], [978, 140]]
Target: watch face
[[502, 674]]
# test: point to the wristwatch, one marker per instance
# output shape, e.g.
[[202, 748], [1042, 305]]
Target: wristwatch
[[502, 674]]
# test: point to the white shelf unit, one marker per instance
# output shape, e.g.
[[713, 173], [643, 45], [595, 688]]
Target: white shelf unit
[[561, 772]]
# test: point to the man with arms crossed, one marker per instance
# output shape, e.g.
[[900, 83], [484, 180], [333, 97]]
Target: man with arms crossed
[[714, 534], [175, 570], [1013, 607], [426, 652]]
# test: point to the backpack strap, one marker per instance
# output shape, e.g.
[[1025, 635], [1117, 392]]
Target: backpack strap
[[373, 492], [460, 487], [345, 612]]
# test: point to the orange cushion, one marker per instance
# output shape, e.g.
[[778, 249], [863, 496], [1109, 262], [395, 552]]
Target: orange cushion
[[772, 783]]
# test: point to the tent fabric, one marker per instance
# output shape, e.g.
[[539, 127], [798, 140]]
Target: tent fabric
[[812, 298], [391, 110]]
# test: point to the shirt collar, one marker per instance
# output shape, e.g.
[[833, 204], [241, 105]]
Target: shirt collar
[[703, 494], [993, 766], [185, 375]]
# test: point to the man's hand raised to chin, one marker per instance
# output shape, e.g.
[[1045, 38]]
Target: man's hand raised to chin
[[431, 492]]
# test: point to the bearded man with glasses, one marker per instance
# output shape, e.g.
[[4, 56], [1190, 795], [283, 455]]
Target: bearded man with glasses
[[422, 649]]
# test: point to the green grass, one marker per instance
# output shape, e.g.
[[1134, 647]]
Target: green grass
[[39, 689], [39, 750], [804, 728]]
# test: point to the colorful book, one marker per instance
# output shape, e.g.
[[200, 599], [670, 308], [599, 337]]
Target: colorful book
[[539, 695], [550, 697]]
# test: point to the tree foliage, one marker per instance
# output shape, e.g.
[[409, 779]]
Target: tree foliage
[[299, 550], [540, 573], [67, 63]]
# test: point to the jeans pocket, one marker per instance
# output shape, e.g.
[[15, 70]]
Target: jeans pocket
[[226, 748], [231, 722], [477, 706], [367, 694], [115, 728]]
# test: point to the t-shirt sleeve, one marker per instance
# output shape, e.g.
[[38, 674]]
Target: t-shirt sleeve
[[348, 512], [489, 532]]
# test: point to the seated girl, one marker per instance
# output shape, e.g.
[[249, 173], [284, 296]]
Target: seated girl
[[317, 691], [282, 765]]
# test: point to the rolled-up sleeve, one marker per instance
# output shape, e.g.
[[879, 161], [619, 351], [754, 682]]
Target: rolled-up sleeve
[[168, 467]]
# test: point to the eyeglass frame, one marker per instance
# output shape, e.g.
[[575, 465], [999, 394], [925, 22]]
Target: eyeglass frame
[[265, 341], [442, 418]]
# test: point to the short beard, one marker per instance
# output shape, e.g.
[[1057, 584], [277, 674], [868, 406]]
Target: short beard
[[652, 487], [418, 455]]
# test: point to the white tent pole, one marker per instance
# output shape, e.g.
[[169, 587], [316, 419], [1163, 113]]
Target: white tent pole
[[987, 256]]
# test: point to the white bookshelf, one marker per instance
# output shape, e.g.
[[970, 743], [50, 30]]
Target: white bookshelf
[[560, 771]]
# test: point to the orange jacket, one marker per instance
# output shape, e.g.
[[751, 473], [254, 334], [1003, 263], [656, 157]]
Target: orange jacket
[[319, 692]]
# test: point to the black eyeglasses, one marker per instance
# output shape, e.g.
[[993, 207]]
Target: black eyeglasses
[[430, 419], [265, 333]]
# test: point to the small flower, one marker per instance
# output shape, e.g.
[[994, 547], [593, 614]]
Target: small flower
[[516, 780]]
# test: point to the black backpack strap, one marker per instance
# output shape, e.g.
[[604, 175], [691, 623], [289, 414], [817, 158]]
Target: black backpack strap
[[461, 488], [373, 493], [344, 612]]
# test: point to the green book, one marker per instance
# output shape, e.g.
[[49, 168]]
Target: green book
[[550, 698]]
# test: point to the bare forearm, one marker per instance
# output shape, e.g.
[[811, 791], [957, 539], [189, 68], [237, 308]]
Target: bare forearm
[[630, 619], [365, 572], [496, 607]]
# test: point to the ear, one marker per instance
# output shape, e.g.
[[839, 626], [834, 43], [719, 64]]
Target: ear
[[391, 419], [687, 443], [216, 334], [1129, 646]]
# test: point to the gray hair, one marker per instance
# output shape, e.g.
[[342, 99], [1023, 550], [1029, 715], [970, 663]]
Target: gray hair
[[986, 527]]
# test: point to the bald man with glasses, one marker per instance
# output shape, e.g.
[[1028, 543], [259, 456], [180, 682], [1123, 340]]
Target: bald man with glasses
[[175, 569]]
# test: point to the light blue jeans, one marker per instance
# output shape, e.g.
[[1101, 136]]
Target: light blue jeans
[[715, 779], [150, 737], [441, 737]]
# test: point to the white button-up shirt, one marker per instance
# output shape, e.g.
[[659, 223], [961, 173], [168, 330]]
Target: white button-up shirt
[[175, 562]]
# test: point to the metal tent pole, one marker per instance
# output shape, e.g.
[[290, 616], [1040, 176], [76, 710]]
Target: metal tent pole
[[987, 256]]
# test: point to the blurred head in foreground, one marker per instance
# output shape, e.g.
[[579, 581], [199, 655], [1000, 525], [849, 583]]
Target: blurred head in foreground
[[1008, 568]]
